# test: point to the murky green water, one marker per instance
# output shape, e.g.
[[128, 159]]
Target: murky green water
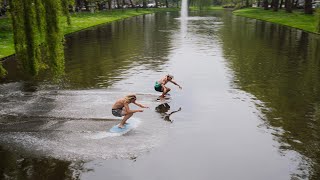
[[249, 107]]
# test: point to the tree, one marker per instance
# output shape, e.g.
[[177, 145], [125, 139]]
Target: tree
[[3, 72], [36, 22], [308, 7], [288, 5], [275, 5], [265, 4]]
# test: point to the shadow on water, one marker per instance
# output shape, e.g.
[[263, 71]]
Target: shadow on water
[[163, 110], [281, 68]]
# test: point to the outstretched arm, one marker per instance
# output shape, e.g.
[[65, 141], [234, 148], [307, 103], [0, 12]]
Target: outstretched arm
[[127, 109], [140, 105], [173, 82]]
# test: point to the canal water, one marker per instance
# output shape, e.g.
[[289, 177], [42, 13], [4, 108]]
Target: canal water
[[249, 107]]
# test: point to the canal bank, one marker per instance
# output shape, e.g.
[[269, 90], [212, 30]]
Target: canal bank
[[296, 19], [79, 21]]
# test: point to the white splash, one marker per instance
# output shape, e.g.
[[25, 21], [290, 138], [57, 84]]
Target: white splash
[[184, 9]]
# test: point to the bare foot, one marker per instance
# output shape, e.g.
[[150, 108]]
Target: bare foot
[[120, 126]]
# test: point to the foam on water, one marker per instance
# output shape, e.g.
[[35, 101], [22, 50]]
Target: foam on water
[[105, 134], [73, 125]]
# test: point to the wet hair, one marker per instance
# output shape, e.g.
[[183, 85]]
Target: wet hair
[[129, 98], [170, 76]]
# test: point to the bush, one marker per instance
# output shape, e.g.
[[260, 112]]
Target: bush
[[229, 6]]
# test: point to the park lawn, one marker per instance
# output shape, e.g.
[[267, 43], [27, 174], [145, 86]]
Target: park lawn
[[6, 38], [195, 8], [79, 21], [297, 19]]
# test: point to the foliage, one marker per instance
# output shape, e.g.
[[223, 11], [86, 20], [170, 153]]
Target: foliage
[[36, 22], [295, 19], [3, 72], [54, 37], [78, 19], [238, 6], [228, 5], [234, 3], [65, 10]]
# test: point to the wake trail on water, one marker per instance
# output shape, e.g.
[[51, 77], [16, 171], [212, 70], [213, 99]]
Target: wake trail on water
[[105, 134]]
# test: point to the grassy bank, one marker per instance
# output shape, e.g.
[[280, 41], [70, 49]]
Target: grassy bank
[[79, 21], [196, 8], [296, 19]]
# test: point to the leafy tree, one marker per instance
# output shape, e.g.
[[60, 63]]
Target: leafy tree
[[3, 72], [36, 22]]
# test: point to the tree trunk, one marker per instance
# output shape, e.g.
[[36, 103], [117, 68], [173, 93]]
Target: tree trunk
[[157, 4], [109, 4], [144, 3], [272, 4], [167, 4], [308, 7], [281, 4], [296, 4], [288, 5], [275, 5], [131, 3], [265, 4], [118, 4], [259, 3]]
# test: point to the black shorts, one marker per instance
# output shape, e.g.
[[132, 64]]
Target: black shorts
[[117, 112]]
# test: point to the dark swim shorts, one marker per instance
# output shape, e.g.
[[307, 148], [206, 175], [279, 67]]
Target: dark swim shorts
[[158, 87], [117, 112]]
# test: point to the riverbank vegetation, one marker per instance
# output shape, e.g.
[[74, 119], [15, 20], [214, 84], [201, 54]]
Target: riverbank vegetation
[[45, 22], [296, 19], [79, 21], [299, 14], [196, 8]]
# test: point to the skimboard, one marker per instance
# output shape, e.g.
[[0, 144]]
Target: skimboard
[[166, 98], [131, 124]]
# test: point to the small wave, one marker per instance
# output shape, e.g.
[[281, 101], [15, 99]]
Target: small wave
[[105, 134]]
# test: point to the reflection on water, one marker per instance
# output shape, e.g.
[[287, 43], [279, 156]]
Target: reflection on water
[[14, 166], [280, 67], [52, 128], [163, 110]]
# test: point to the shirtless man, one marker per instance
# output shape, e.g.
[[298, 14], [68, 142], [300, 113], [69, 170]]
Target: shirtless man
[[160, 85], [121, 108]]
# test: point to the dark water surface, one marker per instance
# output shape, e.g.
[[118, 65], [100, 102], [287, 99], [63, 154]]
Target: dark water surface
[[249, 107]]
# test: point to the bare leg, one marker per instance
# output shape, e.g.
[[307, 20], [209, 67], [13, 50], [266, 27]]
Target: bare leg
[[125, 118], [165, 91]]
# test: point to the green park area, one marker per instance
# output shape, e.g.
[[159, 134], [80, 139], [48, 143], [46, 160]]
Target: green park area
[[83, 20], [296, 19], [79, 21]]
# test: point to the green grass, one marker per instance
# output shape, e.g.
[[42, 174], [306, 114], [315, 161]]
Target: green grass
[[79, 21], [6, 38], [196, 8], [297, 19]]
